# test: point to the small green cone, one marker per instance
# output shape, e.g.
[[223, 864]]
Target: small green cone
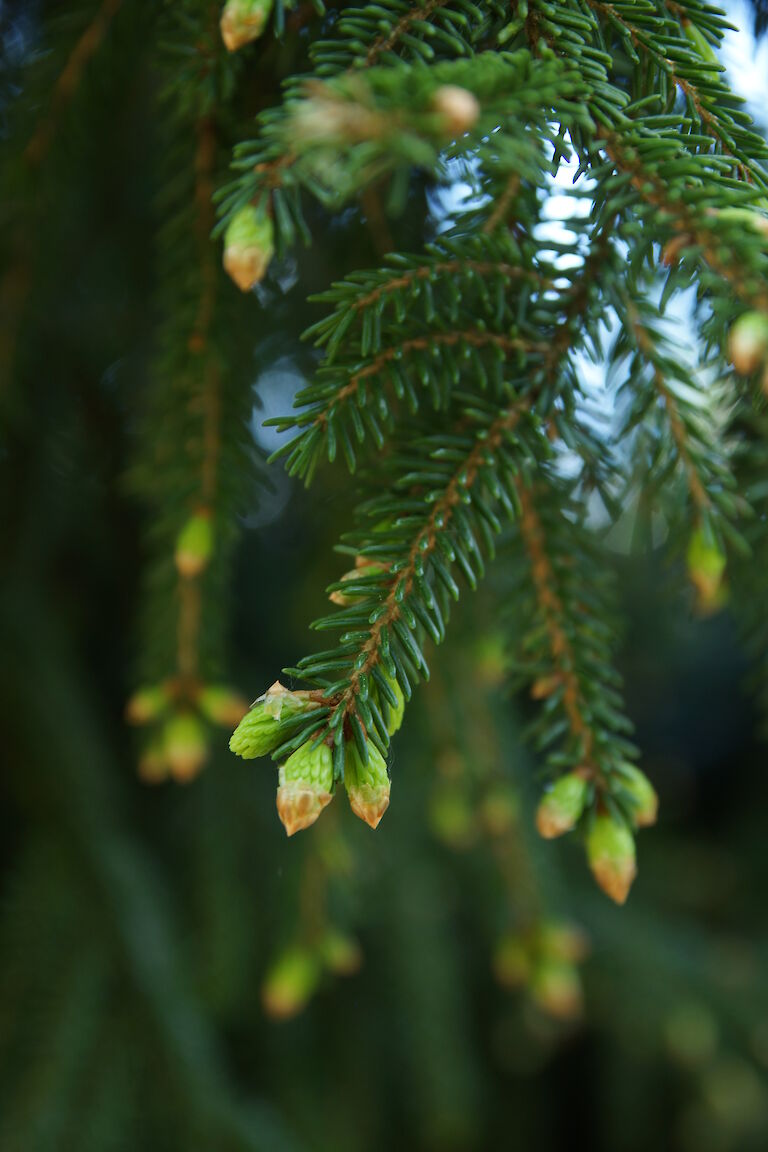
[[340, 953], [221, 705], [243, 21], [367, 785], [611, 855], [556, 989], [194, 545], [259, 731], [645, 802], [147, 704], [748, 343], [290, 983], [306, 786], [561, 807], [248, 247], [396, 711], [153, 764], [185, 745], [706, 568]]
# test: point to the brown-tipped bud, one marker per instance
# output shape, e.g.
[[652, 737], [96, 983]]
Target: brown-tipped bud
[[611, 855], [260, 729], [642, 795], [367, 785], [512, 963], [458, 109], [147, 704], [290, 982], [564, 942], [340, 953], [194, 545], [306, 786], [248, 247], [366, 568], [748, 343], [221, 705], [706, 568], [153, 765], [185, 745], [243, 21], [556, 989], [561, 807]]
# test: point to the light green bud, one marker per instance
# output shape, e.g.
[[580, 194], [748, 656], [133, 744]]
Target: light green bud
[[185, 745], [561, 807], [367, 785], [243, 21], [290, 982], [147, 704], [556, 989], [194, 545], [396, 711], [611, 855], [221, 705], [248, 246], [305, 786], [645, 802], [748, 343], [340, 953], [706, 568], [260, 730]]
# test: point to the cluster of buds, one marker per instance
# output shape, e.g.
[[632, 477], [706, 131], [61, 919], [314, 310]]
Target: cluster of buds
[[543, 962], [306, 780], [249, 245], [179, 716], [706, 569], [610, 840], [459, 816], [748, 345], [294, 976], [243, 21]]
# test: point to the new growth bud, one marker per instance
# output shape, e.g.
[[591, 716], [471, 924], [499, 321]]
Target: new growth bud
[[611, 855], [556, 989], [259, 731], [306, 786], [243, 21], [642, 796], [458, 109], [367, 784], [290, 982], [147, 704], [221, 705], [706, 568], [397, 710], [561, 807], [248, 247], [185, 745], [340, 954], [194, 545], [748, 343]]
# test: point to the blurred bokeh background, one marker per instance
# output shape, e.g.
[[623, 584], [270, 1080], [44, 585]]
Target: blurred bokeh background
[[175, 973]]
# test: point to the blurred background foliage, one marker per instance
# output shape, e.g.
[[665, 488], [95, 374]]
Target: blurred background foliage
[[174, 972]]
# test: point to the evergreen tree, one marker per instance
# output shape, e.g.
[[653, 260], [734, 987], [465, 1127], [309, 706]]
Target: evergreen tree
[[488, 221]]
